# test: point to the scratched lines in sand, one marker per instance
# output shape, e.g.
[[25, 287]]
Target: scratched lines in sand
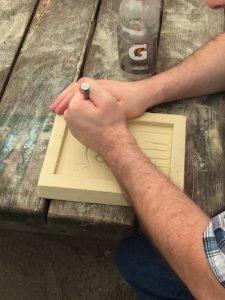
[[76, 158]]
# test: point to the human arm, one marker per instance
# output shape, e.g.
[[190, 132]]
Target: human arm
[[171, 220], [202, 73]]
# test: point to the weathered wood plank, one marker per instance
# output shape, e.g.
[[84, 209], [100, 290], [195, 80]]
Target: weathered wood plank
[[186, 26], [49, 60], [102, 62], [101, 59], [15, 16], [92, 220]]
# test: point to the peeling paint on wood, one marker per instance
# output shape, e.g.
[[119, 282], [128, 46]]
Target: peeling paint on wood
[[100, 63], [46, 65]]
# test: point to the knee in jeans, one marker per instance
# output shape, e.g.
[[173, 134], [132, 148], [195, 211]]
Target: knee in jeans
[[130, 253]]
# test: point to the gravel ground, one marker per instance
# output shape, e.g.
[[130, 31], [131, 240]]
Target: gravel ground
[[47, 267]]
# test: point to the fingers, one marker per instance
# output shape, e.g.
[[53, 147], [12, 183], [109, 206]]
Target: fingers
[[97, 94], [77, 100], [62, 106], [62, 101], [77, 105]]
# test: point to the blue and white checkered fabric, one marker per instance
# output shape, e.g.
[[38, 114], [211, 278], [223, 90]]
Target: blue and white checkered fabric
[[214, 244]]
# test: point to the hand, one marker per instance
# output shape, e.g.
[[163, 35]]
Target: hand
[[98, 122], [128, 94]]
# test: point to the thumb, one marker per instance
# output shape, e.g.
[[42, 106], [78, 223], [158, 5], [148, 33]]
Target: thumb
[[78, 103], [98, 95]]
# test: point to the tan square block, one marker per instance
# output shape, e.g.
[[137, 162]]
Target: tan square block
[[74, 172]]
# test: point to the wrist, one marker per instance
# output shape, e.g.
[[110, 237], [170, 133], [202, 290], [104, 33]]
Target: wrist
[[114, 140], [153, 90]]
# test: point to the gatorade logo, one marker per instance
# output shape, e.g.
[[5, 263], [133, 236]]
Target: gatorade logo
[[138, 52]]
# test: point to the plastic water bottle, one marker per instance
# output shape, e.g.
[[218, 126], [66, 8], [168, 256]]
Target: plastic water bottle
[[137, 31]]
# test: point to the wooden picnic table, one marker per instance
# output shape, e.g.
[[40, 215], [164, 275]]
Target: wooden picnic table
[[44, 46]]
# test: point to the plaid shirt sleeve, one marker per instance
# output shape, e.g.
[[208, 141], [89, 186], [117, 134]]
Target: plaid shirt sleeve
[[214, 244]]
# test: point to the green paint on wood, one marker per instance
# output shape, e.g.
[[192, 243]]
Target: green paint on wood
[[7, 148]]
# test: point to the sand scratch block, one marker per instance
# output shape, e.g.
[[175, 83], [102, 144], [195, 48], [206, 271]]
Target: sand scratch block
[[74, 172]]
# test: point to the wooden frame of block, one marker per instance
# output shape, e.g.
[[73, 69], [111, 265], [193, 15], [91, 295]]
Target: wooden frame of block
[[73, 172]]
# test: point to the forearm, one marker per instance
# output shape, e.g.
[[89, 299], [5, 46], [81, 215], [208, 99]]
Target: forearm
[[169, 217], [202, 73]]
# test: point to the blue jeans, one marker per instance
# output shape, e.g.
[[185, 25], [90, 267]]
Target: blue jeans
[[147, 272]]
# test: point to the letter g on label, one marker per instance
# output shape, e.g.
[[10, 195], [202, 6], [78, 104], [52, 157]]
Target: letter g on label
[[138, 52]]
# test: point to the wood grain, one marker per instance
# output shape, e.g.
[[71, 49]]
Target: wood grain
[[101, 60], [15, 16], [186, 26], [49, 60], [91, 220]]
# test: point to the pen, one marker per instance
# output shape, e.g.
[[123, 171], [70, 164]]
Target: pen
[[85, 88]]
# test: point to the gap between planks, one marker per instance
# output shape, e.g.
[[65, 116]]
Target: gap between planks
[[18, 50], [88, 40]]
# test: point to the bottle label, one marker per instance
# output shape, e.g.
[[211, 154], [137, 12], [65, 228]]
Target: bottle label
[[137, 58], [138, 52]]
